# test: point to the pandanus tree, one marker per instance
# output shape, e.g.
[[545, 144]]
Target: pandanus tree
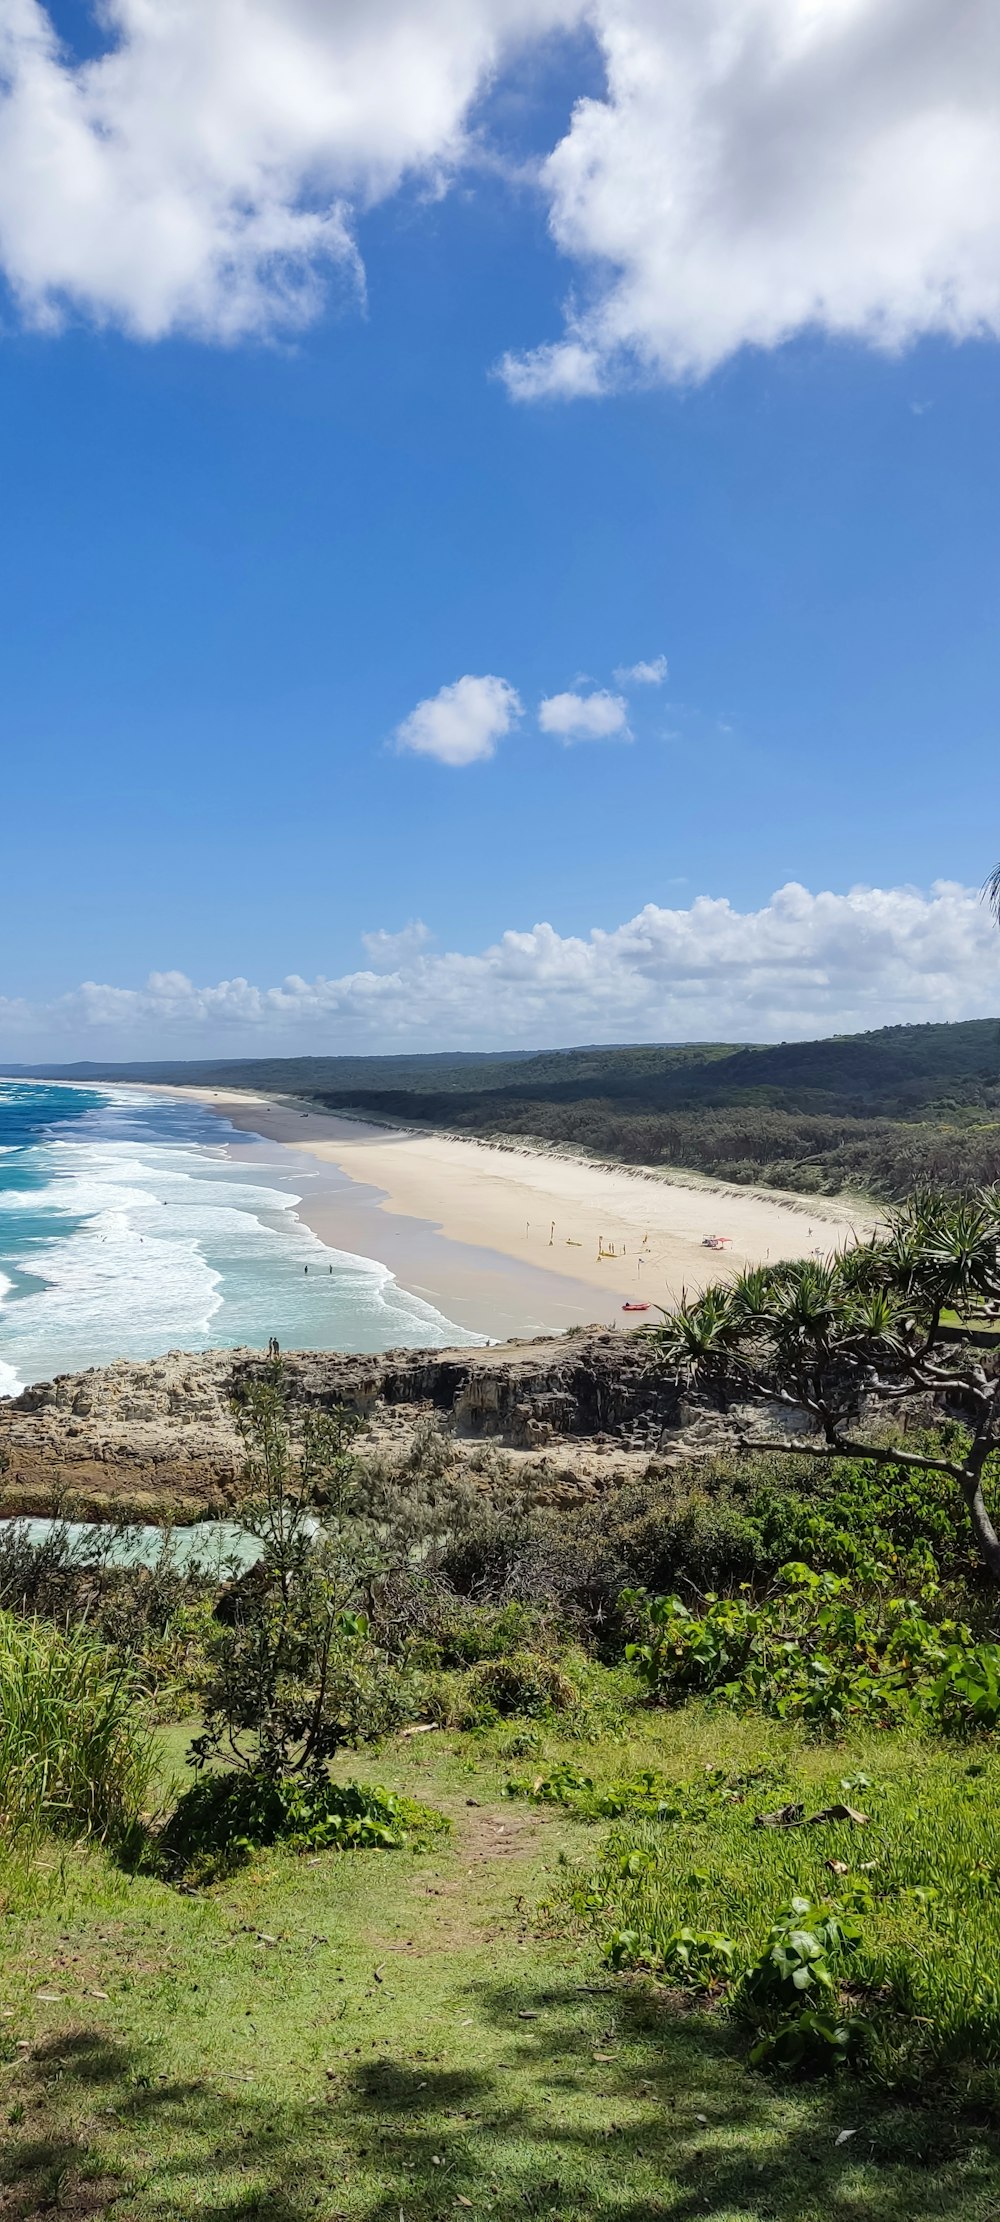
[[850, 1345]]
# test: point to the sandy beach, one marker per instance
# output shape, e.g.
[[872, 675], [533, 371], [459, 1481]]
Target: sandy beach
[[454, 1218]]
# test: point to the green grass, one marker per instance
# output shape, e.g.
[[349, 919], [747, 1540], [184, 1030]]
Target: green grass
[[985, 1332], [384, 2033], [922, 1874]]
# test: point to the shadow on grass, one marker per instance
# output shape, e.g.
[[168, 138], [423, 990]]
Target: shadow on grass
[[655, 2118]]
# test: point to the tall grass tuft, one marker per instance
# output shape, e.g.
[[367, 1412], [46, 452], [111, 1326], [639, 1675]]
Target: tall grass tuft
[[75, 1751]]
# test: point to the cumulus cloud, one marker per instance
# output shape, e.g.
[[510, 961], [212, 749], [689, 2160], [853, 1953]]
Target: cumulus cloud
[[803, 964], [643, 674], [584, 717], [760, 167], [462, 723], [753, 169], [204, 172], [389, 950]]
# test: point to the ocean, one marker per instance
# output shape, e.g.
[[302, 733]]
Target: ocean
[[126, 1230]]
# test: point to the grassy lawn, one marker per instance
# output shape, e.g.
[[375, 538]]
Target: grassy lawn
[[391, 2034]]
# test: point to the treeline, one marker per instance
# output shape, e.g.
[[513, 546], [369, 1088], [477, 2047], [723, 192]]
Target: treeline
[[880, 1112], [898, 1072]]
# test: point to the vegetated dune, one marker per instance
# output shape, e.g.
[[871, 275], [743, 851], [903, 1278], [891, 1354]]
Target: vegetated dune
[[878, 1112]]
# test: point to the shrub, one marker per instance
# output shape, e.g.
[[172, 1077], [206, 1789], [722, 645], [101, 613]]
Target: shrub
[[814, 1652], [461, 1635], [523, 1683], [150, 1613], [75, 1752], [727, 1521], [224, 1818]]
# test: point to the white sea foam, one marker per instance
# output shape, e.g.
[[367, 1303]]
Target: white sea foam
[[139, 1245]]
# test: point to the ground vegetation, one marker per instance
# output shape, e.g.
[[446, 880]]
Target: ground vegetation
[[648, 1866]]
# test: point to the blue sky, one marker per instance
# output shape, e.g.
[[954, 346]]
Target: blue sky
[[234, 562]]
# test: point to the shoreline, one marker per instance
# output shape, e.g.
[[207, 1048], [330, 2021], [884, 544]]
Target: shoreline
[[521, 1228], [475, 1286]]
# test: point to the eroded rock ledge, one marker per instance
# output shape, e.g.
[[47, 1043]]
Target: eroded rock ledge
[[158, 1436]]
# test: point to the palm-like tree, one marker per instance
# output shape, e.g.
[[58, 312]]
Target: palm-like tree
[[861, 1333], [991, 893]]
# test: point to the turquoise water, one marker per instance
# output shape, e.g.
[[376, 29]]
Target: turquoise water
[[218, 1548], [126, 1230]]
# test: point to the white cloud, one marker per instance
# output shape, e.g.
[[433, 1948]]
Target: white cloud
[[643, 674], [388, 950], [799, 966], [462, 723], [755, 168], [203, 174], [584, 717], [759, 167]]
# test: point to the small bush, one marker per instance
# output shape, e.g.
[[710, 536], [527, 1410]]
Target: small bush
[[458, 1634], [520, 1743], [523, 1683], [432, 1449], [224, 1818], [75, 1751]]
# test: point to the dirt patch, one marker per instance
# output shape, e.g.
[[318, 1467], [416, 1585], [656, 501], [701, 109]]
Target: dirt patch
[[490, 1832], [451, 1903], [70, 2195]]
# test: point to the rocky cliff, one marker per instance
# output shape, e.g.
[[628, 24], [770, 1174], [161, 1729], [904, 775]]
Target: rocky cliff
[[158, 1436]]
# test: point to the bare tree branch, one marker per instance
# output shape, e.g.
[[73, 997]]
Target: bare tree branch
[[880, 1454]]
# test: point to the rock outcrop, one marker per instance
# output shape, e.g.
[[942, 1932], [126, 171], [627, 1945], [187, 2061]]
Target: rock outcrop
[[158, 1436]]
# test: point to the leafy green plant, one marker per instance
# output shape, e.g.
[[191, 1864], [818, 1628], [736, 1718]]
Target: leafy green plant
[[702, 1959], [790, 1992], [646, 1792], [811, 2043], [813, 1650], [224, 1818], [796, 1965]]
